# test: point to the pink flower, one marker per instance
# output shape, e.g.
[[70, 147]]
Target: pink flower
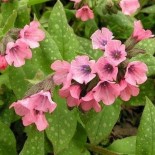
[[136, 73], [84, 13], [139, 33], [100, 38], [82, 69], [33, 109], [106, 91], [106, 69], [127, 90], [17, 52], [115, 51], [72, 94], [3, 63], [88, 102], [62, 69], [31, 34], [129, 6]]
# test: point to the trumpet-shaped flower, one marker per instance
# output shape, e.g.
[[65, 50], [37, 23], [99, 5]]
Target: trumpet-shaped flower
[[106, 69], [72, 94], [129, 6], [106, 92], [84, 13], [88, 102], [3, 62], [115, 51], [100, 38], [136, 73], [31, 34], [33, 109], [62, 69], [139, 33], [17, 52], [127, 90], [82, 69]]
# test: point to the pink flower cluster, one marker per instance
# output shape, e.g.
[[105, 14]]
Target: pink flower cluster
[[85, 82], [100, 38], [84, 13], [18, 51], [33, 109]]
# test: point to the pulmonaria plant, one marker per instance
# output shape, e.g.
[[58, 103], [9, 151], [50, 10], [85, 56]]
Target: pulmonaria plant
[[20, 49], [87, 82], [33, 109], [129, 7], [84, 13]]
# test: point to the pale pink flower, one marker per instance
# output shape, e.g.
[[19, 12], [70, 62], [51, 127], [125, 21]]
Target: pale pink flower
[[106, 69], [31, 34], [136, 73], [82, 69], [72, 94], [33, 108], [84, 13], [17, 52], [88, 102], [129, 7], [106, 91], [127, 90], [100, 38], [62, 69], [3, 63], [139, 33], [115, 51]]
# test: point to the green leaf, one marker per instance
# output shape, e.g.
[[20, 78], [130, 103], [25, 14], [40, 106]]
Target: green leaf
[[7, 115], [10, 22], [18, 76], [150, 9], [62, 33], [76, 146], [120, 23], [145, 89], [147, 45], [34, 144], [50, 49], [33, 2], [23, 16], [62, 125], [149, 60], [145, 142], [7, 10], [99, 126], [86, 48], [125, 146], [7, 141]]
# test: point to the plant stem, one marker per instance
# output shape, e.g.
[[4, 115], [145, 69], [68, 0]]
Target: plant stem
[[101, 150]]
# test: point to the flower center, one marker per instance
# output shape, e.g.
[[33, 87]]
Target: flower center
[[85, 69], [116, 55], [108, 68], [104, 84], [14, 49], [85, 9], [104, 42], [131, 69]]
